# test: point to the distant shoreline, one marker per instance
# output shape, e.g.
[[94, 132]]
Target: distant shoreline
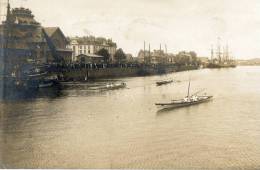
[[248, 65]]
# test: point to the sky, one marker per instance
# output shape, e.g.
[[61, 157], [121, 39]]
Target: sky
[[191, 25]]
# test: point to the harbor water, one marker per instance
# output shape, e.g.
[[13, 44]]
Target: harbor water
[[81, 126]]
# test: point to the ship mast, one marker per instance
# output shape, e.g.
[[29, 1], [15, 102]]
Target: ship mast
[[149, 53], [212, 53], [6, 34], [189, 89], [7, 28], [219, 50], [227, 51], [144, 53]]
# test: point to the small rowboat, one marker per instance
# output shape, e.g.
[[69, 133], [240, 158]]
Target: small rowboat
[[113, 86], [160, 83]]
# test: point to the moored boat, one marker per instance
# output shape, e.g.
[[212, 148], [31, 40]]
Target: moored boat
[[113, 86], [45, 84], [160, 83]]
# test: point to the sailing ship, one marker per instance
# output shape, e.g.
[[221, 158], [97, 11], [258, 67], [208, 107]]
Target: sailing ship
[[222, 58], [189, 100]]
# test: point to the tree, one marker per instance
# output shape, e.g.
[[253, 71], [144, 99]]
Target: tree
[[194, 58], [120, 56], [186, 58], [104, 53]]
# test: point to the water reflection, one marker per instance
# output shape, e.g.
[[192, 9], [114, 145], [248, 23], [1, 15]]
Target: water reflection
[[12, 94], [82, 127], [187, 108], [64, 89]]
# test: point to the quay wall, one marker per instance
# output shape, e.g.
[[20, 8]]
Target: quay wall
[[84, 73]]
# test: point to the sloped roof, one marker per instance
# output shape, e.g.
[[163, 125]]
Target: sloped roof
[[90, 55], [91, 40], [51, 30]]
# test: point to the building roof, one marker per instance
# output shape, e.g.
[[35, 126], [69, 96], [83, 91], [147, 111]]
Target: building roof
[[91, 40], [51, 30], [91, 55], [23, 16]]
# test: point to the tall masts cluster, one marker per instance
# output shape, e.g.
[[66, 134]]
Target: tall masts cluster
[[147, 54], [149, 49], [222, 53]]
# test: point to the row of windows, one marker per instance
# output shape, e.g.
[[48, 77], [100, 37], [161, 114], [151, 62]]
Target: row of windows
[[84, 52], [84, 47], [81, 47], [89, 51]]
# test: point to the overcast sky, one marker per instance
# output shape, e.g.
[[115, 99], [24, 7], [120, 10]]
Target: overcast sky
[[181, 24]]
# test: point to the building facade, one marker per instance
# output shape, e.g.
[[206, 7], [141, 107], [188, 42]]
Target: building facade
[[21, 38], [91, 45], [59, 43], [155, 57], [26, 40]]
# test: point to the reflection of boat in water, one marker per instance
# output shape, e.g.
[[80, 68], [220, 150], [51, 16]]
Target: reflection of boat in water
[[30, 93], [160, 83], [48, 81], [187, 101], [45, 84], [114, 86]]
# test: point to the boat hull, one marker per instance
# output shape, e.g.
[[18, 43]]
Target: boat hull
[[46, 84], [163, 83], [174, 105], [115, 86], [211, 65]]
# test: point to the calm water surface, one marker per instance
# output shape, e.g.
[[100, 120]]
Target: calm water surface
[[81, 127]]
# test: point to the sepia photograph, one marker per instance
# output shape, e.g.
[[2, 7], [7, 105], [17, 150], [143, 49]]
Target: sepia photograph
[[130, 84]]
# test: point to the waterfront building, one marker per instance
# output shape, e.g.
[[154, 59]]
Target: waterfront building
[[204, 60], [24, 40], [158, 57], [89, 59], [154, 57], [91, 45], [21, 38], [141, 56], [129, 58], [60, 43]]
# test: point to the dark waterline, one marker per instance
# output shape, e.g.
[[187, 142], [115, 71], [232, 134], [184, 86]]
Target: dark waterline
[[80, 126]]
